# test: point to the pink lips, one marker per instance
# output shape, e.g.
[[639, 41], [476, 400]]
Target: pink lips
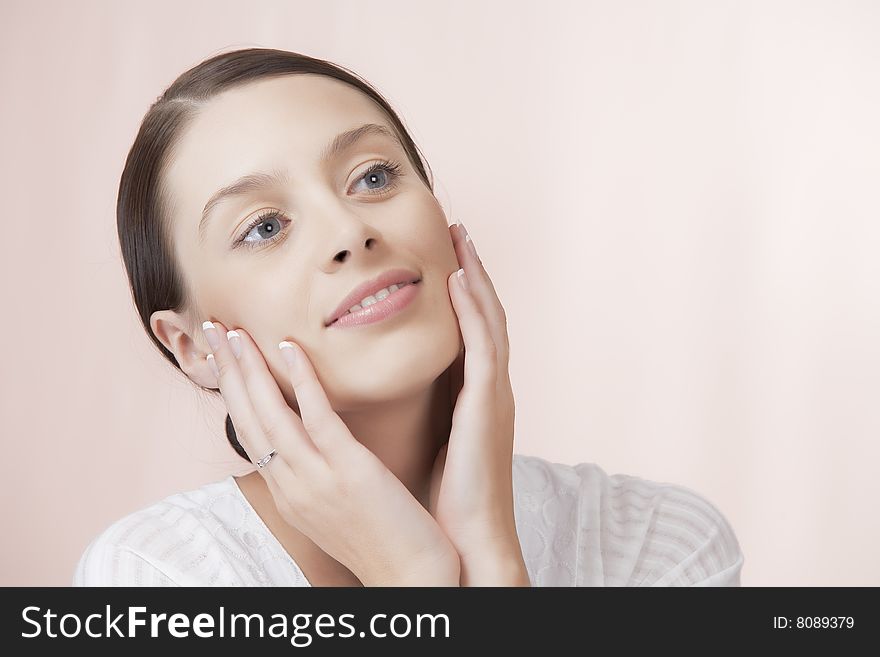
[[390, 305], [370, 287]]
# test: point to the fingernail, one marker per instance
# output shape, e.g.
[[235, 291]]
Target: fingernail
[[462, 278], [211, 335], [469, 241], [288, 352], [213, 365], [234, 342], [470, 244]]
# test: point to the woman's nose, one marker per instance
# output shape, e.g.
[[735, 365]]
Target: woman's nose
[[343, 232], [348, 235], [342, 255]]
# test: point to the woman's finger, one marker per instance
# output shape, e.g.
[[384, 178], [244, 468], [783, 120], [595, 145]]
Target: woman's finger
[[483, 291], [280, 424], [481, 358], [323, 425], [236, 397]]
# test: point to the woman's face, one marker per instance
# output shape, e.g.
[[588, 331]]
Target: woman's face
[[327, 226]]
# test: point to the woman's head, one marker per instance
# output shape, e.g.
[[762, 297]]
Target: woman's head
[[324, 189]]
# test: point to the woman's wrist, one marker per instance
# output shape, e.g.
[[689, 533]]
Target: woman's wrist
[[499, 569], [445, 571]]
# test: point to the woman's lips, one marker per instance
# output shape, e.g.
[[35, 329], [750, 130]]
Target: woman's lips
[[387, 307]]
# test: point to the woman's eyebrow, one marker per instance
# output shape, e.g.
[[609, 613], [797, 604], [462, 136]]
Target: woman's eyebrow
[[254, 182]]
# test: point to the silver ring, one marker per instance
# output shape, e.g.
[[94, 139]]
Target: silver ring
[[263, 461]]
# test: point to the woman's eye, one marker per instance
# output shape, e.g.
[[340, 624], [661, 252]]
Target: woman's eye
[[377, 177], [264, 229], [381, 176]]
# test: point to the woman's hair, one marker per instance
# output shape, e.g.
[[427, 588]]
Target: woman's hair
[[142, 206]]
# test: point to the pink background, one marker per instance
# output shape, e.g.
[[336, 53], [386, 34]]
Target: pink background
[[677, 202]]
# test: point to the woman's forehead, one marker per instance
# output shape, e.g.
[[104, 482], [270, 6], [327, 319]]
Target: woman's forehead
[[293, 111], [281, 123]]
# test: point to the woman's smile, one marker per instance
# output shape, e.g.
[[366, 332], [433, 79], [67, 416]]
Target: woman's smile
[[386, 303]]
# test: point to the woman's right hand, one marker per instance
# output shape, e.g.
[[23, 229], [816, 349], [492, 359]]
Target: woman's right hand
[[324, 481]]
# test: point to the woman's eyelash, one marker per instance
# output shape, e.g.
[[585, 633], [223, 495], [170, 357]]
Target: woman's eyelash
[[391, 168], [262, 218]]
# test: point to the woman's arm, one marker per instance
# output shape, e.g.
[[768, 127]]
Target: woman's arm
[[107, 564], [687, 540], [716, 558]]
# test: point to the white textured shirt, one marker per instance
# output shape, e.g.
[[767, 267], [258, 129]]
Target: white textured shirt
[[577, 525]]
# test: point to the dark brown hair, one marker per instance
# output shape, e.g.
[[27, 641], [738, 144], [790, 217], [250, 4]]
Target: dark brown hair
[[142, 207]]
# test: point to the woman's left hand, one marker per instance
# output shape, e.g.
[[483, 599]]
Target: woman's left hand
[[471, 495]]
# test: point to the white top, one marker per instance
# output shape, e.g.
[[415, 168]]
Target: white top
[[577, 526]]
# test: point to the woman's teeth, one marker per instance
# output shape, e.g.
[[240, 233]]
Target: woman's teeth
[[373, 298]]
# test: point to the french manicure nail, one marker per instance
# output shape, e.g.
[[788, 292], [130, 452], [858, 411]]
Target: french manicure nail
[[213, 365], [462, 278], [469, 241], [470, 244], [288, 352], [211, 335], [234, 342]]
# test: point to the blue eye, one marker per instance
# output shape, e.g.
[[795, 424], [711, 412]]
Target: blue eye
[[269, 224], [384, 170]]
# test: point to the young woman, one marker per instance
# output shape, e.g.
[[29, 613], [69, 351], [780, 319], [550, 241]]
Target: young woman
[[285, 248]]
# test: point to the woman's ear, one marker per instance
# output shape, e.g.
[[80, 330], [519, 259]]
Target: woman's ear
[[173, 331]]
